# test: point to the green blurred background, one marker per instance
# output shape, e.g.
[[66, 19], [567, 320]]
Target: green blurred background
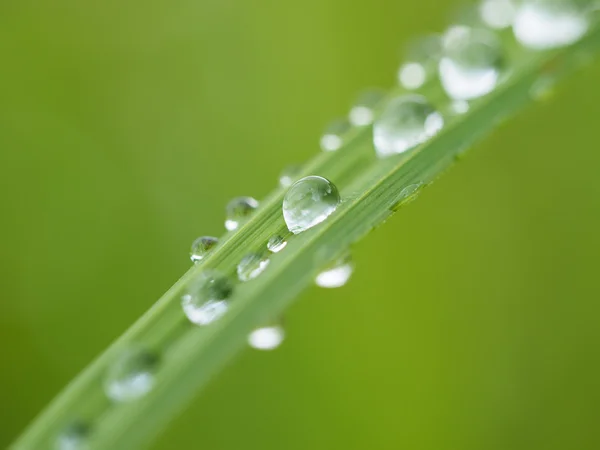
[[472, 319]]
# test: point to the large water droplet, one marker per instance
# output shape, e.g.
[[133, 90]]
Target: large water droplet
[[471, 64], [335, 134], [74, 437], [251, 266], [498, 14], [422, 57], [276, 243], [308, 202], [543, 24], [363, 110], [337, 274], [238, 210], [131, 376], [289, 175], [201, 247], [206, 300], [267, 337], [406, 122]]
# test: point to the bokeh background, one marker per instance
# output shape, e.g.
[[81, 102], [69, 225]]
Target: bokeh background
[[125, 126]]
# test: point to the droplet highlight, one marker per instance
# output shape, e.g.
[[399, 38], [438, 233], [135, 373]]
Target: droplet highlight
[[267, 337], [362, 112], [202, 247], [406, 122], [74, 437], [207, 299], [470, 67], [498, 14], [334, 135], [308, 202], [337, 274], [289, 175], [251, 266], [276, 243], [422, 57], [131, 376], [238, 210]]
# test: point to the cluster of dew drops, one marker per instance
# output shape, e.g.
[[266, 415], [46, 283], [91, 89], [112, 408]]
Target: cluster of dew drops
[[468, 60]]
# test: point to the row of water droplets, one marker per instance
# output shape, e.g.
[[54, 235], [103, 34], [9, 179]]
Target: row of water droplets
[[468, 60]]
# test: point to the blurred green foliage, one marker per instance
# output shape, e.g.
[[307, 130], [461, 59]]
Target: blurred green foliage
[[472, 319]]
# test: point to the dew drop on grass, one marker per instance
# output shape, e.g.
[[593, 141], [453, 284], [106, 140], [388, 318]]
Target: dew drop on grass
[[408, 195], [289, 175], [406, 122], [201, 247], [238, 210], [470, 67], [308, 202], [543, 24], [362, 112], [276, 243], [498, 14], [207, 298], [251, 266], [422, 56], [336, 274], [459, 106], [73, 437], [334, 135], [131, 376], [267, 337]]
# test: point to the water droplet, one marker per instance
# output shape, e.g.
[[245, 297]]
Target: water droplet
[[498, 14], [309, 202], [276, 243], [289, 175], [542, 24], [543, 88], [131, 376], [201, 247], [422, 57], [267, 337], [408, 195], [334, 135], [237, 210], [74, 437], [406, 122], [206, 301], [459, 106], [471, 64], [363, 110], [337, 274], [251, 266]]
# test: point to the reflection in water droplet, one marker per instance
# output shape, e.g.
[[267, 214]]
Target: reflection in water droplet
[[289, 175], [337, 274], [363, 110], [237, 210], [251, 266], [308, 202], [201, 247], [498, 14], [542, 25], [74, 437], [266, 338], [334, 135], [276, 244], [131, 376], [471, 64], [206, 300], [406, 122]]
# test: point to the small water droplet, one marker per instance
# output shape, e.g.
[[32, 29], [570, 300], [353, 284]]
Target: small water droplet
[[542, 24], [308, 202], [267, 337], [543, 88], [363, 110], [201, 247], [498, 14], [422, 56], [131, 376], [276, 243], [334, 135], [408, 195], [74, 437], [206, 300], [459, 106], [406, 122], [289, 175], [251, 266], [337, 274], [470, 67], [238, 210]]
